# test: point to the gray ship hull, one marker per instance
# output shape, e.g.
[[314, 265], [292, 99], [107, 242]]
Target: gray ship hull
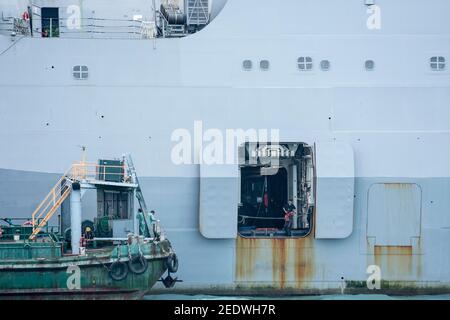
[[286, 266], [395, 119]]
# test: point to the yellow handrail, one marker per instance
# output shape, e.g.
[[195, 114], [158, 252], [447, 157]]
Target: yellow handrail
[[47, 217], [53, 191], [90, 170], [78, 171], [53, 200]]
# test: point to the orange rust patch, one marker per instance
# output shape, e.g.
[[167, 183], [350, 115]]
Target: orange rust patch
[[245, 258], [393, 250], [396, 262], [278, 262], [304, 261]]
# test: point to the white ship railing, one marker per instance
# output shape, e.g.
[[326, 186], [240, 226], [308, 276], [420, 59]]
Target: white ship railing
[[14, 26], [96, 28], [89, 28]]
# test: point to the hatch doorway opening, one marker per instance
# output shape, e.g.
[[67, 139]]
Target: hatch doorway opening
[[276, 190], [50, 22]]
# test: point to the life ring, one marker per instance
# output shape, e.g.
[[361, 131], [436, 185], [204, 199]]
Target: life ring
[[26, 16], [172, 263], [118, 271], [138, 264]]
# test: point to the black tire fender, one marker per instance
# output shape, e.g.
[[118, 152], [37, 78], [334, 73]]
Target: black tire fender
[[138, 264], [118, 271], [172, 263]]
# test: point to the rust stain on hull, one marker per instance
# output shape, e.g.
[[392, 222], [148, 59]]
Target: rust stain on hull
[[304, 263], [279, 256], [398, 262], [245, 257], [394, 260], [280, 263]]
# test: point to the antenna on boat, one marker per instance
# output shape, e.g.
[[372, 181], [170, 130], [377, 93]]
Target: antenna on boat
[[83, 154], [82, 166]]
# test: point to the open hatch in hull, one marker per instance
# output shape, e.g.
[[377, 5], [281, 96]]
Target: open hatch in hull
[[269, 177]]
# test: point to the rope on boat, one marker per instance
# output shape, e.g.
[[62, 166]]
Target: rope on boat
[[243, 217], [103, 264]]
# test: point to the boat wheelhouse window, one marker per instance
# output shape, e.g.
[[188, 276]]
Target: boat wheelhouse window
[[115, 204], [264, 65], [437, 63], [247, 65], [305, 63], [50, 22], [370, 65], [80, 72], [270, 176], [325, 65]]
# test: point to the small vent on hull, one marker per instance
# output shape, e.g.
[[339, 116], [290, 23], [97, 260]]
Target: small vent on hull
[[264, 65], [370, 65], [247, 65], [325, 65]]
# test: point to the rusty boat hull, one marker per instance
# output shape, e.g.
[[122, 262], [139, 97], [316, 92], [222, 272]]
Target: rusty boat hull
[[46, 274]]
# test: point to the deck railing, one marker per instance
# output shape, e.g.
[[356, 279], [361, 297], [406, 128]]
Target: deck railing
[[79, 171], [85, 28], [93, 171], [47, 208], [88, 28]]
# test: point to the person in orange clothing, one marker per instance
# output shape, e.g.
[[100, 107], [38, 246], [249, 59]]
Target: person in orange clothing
[[288, 209]]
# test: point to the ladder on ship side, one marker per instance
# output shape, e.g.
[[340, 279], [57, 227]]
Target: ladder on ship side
[[51, 203], [139, 195]]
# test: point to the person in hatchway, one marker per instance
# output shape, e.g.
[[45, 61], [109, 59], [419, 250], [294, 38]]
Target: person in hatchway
[[289, 211]]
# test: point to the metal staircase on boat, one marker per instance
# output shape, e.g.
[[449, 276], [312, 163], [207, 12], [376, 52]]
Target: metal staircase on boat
[[51, 203]]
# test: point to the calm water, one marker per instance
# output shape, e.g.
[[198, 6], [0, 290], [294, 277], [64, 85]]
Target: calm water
[[327, 297]]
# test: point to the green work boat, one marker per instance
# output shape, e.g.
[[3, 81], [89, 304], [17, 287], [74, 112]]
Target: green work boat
[[89, 259]]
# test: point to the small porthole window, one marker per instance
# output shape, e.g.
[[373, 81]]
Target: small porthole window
[[80, 72], [437, 63], [325, 65], [370, 65], [264, 65], [247, 65], [305, 63]]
